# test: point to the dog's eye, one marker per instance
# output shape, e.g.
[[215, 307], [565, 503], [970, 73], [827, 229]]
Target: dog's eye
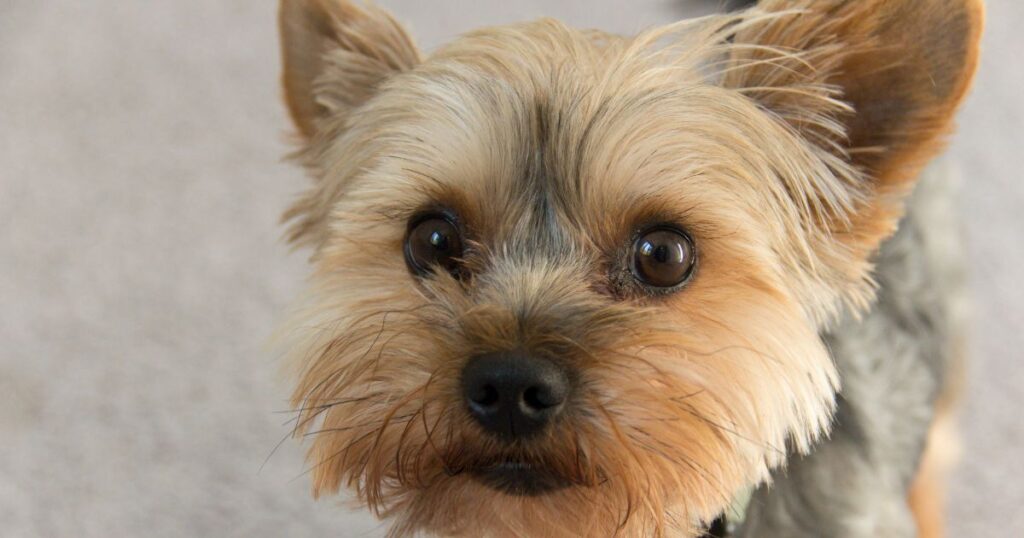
[[663, 257], [433, 240]]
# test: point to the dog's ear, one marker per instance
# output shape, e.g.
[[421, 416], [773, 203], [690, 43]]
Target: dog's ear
[[335, 54], [901, 66]]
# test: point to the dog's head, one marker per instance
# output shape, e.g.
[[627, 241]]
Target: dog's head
[[568, 283]]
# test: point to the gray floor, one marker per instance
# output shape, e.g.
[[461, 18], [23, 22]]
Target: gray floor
[[141, 270]]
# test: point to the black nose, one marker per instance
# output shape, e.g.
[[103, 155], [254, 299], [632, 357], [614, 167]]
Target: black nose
[[514, 395]]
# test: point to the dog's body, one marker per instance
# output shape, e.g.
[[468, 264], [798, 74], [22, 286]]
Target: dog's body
[[569, 283], [899, 368]]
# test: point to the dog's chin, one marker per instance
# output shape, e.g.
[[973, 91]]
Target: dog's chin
[[520, 479]]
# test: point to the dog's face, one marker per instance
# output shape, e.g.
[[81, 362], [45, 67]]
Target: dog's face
[[571, 284]]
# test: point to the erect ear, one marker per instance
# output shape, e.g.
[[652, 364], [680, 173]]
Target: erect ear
[[902, 66], [336, 53]]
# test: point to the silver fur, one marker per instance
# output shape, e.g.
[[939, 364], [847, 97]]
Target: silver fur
[[893, 364]]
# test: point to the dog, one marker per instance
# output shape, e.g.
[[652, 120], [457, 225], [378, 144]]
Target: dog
[[567, 283]]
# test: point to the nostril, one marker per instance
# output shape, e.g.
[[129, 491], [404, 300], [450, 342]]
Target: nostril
[[540, 398], [485, 396]]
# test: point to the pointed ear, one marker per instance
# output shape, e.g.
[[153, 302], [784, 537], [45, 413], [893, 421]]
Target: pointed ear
[[901, 66], [335, 54]]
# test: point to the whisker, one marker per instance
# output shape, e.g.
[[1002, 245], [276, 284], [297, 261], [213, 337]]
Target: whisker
[[291, 433], [344, 449], [767, 446], [354, 426]]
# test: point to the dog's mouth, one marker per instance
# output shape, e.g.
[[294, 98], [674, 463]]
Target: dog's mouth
[[519, 478]]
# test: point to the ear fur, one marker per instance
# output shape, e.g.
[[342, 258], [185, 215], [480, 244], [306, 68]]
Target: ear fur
[[335, 54], [901, 66]]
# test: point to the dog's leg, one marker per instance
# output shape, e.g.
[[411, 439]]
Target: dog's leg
[[942, 451], [927, 496]]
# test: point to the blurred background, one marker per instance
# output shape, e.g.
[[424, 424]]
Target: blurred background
[[142, 270]]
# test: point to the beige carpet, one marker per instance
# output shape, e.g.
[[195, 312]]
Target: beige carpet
[[141, 270]]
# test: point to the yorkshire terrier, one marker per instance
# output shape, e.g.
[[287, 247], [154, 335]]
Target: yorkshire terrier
[[569, 283]]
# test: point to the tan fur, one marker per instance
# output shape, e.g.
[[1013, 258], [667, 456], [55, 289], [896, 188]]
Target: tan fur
[[554, 145], [942, 447], [927, 496]]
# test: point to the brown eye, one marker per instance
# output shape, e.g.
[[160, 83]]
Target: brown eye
[[433, 240], [663, 257]]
